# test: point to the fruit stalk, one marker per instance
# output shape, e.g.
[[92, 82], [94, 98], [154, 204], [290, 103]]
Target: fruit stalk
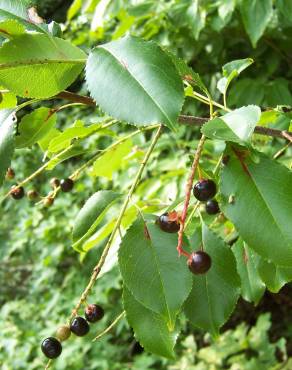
[[179, 248]]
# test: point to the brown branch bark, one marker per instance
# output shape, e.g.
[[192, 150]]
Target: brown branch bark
[[185, 120]]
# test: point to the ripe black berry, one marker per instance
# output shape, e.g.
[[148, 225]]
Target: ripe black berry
[[32, 195], [199, 262], [10, 174], [17, 192], [51, 347], [63, 333], [94, 312], [79, 326], [54, 182], [66, 185], [212, 207], [204, 189], [166, 224]]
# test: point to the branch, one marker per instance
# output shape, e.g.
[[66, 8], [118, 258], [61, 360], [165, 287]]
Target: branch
[[185, 120], [106, 249]]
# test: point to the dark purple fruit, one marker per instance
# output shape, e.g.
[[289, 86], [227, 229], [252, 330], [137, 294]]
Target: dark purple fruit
[[54, 182], [94, 312], [199, 262], [51, 347], [79, 326], [10, 174], [66, 185], [167, 224], [17, 192], [204, 189], [212, 207]]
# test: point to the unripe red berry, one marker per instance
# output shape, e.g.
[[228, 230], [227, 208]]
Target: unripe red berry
[[32, 195], [199, 262], [48, 202], [54, 182], [10, 174]]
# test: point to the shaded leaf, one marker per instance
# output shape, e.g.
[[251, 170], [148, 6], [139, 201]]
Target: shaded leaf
[[252, 286], [214, 294], [7, 124], [262, 204], [275, 277], [35, 126], [152, 270], [91, 215], [150, 328], [135, 81]]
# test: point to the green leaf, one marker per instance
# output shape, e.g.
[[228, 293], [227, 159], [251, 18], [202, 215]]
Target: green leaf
[[196, 17], [135, 81], [252, 286], [232, 70], [91, 215], [214, 294], [39, 66], [256, 16], [78, 130], [17, 10], [262, 204], [275, 277], [73, 152], [236, 126], [150, 329], [152, 270], [111, 160], [8, 100], [187, 73], [10, 28], [74, 9], [7, 123], [35, 126]]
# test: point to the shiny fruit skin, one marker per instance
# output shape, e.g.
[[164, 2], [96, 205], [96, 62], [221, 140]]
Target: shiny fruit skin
[[17, 192], [94, 313], [79, 326], [199, 262], [204, 189], [66, 185], [212, 207], [51, 347], [166, 225]]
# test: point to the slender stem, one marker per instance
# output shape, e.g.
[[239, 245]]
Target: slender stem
[[106, 249], [192, 214], [188, 120], [44, 166], [48, 364], [281, 151], [224, 101], [117, 319], [188, 196]]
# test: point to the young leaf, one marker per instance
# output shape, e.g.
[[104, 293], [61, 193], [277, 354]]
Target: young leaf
[[8, 99], [150, 328], [39, 66], [152, 270], [256, 16], [7, 124], [252, 286], [232, 70], [236, 126], [135, 81], [275, 277], [10, 28], [111, 160], [261, 205], [214, 294], [90, 216], [35, 126]]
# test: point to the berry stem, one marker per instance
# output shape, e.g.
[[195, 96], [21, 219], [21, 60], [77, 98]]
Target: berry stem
[[116, 320], [179, 247], [106, 249]]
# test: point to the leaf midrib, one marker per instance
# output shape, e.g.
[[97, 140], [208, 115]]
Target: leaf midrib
[[36, 62], [140, 84]]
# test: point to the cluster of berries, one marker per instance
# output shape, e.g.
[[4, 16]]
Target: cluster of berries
[[52, 347], [17, 192], [204, 190]]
